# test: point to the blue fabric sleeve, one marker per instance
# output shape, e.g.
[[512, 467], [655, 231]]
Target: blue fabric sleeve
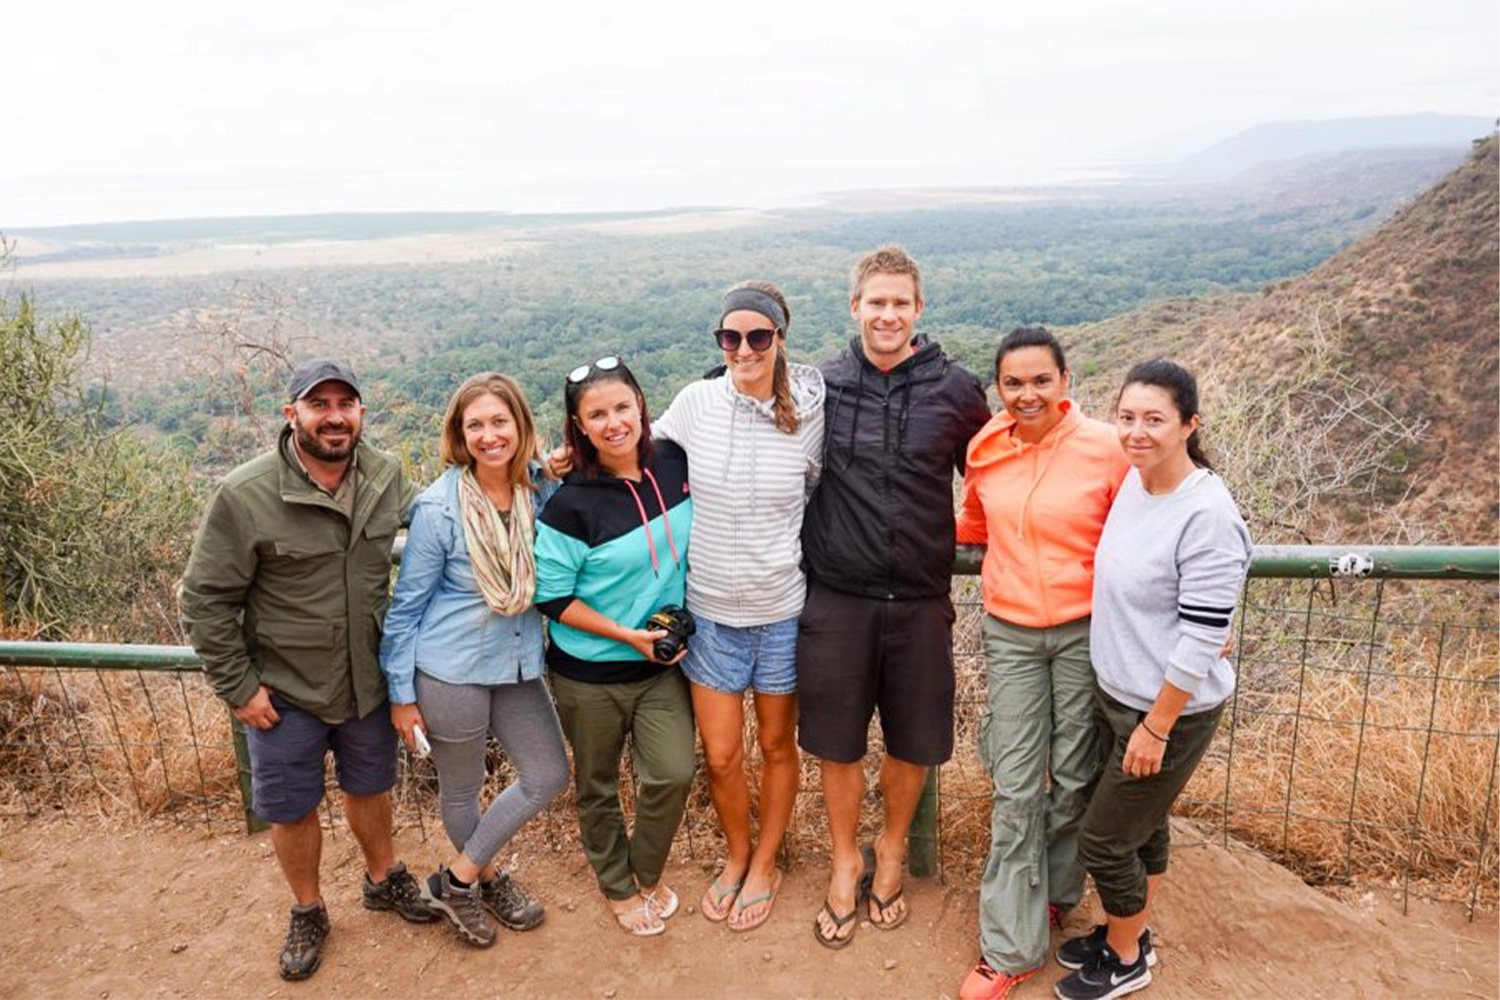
[[422, 564], [543, 487], [559, 557]]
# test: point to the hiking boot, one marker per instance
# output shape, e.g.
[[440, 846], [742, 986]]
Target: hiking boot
[[1105, 977], [1076, 952], [461, 905], [398, 892], [984, 982], [510, 904], [303, 948]]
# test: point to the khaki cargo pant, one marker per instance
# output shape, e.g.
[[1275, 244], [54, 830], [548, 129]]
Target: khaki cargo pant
[[1039, 722]]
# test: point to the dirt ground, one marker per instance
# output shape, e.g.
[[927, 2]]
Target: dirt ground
[[159, 911]]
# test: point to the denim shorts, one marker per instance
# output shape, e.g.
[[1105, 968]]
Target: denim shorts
[[287, 760], [728, 659]]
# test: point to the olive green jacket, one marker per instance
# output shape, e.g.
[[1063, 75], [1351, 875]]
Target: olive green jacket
[[282, 589]]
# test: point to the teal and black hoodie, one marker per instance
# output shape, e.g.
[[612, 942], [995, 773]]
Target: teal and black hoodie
[[621, 548]]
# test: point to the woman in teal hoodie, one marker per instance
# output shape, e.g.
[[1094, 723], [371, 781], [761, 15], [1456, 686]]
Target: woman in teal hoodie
[[611, 550]]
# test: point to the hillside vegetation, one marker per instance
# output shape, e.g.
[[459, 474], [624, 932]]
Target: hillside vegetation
[[183, 353], [1405, 318]]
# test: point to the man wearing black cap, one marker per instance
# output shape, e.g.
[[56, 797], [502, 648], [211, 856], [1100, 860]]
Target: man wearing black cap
[[283, 598]]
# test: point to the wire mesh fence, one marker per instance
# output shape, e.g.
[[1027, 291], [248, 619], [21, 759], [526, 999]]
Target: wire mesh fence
[[1362, 743]]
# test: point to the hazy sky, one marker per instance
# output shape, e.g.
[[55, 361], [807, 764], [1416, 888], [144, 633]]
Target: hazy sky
[[166, 109]]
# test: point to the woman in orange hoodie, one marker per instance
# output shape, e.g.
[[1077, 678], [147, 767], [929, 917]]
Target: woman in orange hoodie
[[1039, 483]]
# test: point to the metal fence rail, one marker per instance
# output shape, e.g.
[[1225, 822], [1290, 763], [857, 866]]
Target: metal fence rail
[[1363, 738]]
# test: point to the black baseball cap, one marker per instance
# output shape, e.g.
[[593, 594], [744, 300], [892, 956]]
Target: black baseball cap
[[310, 374]]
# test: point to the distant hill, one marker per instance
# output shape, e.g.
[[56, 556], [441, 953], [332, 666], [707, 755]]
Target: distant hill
[[1276, 141], [1410, 312]]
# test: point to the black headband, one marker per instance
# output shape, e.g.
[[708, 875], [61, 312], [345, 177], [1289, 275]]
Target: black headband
[[754, 300]]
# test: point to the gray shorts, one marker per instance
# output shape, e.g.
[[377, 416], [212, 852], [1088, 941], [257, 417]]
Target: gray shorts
[[287, 760]]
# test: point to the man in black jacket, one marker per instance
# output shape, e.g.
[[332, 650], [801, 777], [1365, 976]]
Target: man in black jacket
[[877, 544]]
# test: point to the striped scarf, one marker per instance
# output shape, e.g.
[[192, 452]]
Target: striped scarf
[[502, 557]]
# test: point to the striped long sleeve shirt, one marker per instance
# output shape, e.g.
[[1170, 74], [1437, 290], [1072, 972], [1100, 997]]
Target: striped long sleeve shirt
[[750, 485], [1167, 574]]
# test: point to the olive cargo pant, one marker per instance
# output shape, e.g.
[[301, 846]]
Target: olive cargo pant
[[1039, 722], [1125, 834], [657, 715]]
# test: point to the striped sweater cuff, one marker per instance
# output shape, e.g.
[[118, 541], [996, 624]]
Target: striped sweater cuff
[[1203, 614]]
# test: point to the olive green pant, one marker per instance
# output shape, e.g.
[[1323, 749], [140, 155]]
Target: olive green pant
[[657, 715], [1038, 725], [1125, 835]]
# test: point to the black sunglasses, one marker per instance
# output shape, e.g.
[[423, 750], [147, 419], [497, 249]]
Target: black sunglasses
[[759, 340], [608, 363]]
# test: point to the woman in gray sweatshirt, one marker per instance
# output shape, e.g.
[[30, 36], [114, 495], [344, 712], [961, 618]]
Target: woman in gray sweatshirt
[[1169, 568]]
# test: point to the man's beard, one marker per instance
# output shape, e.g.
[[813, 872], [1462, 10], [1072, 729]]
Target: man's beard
[[310, 444]]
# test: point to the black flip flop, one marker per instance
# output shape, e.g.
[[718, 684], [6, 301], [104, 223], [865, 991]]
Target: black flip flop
[[884, 904], [839, 923]]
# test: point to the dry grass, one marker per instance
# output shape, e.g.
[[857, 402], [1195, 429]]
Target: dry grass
[[1376, 759], [122, 745], [1324, 696]]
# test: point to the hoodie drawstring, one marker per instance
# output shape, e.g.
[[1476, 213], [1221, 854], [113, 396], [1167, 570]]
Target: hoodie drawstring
[[671, 544], [1037, 481], [646, 522], [859, 391]]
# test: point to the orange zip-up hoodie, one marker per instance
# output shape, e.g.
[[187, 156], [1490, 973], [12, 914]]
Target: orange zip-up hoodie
[[1040, 508]]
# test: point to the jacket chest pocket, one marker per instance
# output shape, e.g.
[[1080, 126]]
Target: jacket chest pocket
[[307, 546]]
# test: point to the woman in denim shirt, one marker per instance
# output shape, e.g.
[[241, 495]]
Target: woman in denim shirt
[[462, 649]]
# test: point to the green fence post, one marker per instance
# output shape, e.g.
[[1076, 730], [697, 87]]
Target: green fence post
[[922, 841], [253, 823]]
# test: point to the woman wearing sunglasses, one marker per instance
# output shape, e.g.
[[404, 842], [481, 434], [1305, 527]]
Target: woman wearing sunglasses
[[753, 432], [611, 550]]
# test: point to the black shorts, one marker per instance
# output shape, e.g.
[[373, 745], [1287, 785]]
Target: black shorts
[[857, 654]]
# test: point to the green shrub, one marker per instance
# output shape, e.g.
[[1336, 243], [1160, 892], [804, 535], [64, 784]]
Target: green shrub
[[93, 522]]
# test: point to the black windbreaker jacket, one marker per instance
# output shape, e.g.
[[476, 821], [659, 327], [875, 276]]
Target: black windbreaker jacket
[[880, 523]]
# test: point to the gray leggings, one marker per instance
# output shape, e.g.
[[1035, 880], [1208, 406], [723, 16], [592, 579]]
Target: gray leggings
[[521, 716]]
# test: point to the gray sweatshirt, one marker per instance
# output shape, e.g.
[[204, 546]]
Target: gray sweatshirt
[[1167, 574]]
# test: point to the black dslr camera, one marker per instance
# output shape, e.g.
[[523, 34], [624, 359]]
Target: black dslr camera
[[678, 623]]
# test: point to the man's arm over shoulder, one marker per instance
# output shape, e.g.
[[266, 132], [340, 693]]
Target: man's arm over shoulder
[[971, 411], [220, 569]]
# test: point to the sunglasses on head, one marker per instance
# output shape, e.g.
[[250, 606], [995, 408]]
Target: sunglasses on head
[[608, 363], [759, 340]]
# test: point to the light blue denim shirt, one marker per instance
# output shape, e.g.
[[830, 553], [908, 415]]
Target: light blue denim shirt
[[438, 622]]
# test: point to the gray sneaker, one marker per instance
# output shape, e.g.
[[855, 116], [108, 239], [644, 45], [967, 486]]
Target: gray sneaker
[[511, 904], [463, 907], [303, 948], [399, 892]]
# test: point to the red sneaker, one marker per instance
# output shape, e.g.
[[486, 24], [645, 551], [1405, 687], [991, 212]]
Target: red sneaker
[[985, 983]]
